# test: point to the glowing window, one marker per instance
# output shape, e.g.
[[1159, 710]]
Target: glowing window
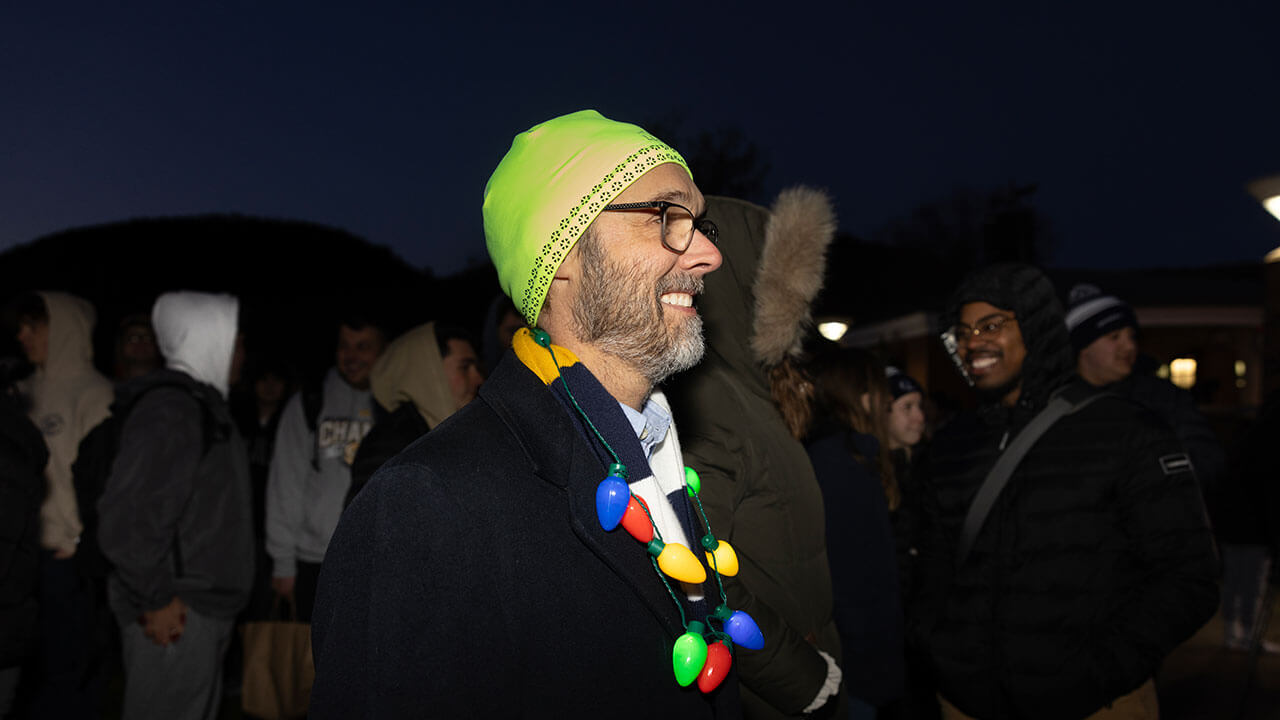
[[1183, 372]]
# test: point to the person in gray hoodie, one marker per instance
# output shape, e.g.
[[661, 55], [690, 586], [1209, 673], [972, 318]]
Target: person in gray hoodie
[[311, 468], [176, 516]]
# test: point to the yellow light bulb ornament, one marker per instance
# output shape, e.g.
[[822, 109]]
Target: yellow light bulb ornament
[[720, 556], [677, 561]]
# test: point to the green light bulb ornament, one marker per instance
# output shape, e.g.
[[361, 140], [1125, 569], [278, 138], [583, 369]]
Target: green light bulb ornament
[[689, 654]]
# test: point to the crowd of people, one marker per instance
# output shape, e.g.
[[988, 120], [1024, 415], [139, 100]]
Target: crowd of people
[[504, 521]]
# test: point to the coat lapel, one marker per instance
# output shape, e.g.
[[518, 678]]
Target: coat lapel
[[560, 455]]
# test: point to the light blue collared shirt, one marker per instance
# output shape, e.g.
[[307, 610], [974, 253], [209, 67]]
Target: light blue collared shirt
[[650, 424]]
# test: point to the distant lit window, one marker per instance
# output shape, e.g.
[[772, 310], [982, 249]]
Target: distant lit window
[[1162, 372], [833, 330], [1182, 372]]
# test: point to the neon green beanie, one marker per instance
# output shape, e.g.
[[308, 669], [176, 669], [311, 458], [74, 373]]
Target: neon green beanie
[[550, 186]]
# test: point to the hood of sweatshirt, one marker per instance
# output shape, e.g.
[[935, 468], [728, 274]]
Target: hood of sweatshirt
[[196, 333], [71, 321], [1029, 294], [412, 370]]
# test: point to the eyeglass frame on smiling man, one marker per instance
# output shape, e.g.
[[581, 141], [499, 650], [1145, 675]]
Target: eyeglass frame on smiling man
[[992, 326], [702, 224]]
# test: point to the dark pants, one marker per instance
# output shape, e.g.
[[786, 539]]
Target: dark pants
[[66, 682], [304, 589]]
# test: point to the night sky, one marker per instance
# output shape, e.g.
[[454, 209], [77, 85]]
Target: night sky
[[1140, 126]]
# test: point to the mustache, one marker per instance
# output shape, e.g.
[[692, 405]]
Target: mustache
[[690, 284]]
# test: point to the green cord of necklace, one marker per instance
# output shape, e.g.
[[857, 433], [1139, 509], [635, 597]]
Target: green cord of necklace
[[657, 533], [661, 575], [714, 565], [581, 412]]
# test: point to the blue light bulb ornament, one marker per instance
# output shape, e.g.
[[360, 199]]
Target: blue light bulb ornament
[[689, 654], [744, 631], [612, 497]]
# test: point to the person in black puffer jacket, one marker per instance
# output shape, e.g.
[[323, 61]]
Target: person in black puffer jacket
[[1096, 559]]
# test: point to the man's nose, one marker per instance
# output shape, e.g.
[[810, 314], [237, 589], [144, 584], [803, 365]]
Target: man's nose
[[702, 256]]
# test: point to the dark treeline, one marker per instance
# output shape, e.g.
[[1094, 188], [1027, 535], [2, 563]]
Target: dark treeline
[[293, 280]]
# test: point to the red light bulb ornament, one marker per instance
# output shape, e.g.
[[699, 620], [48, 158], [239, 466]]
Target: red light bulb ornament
[[689, 654], [636, 520], [716, 668], [612, 497]]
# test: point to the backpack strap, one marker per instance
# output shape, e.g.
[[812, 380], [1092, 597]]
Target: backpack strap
[[1063, 403]]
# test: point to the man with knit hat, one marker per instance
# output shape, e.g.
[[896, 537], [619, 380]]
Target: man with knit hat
[[1057, 594], [1104, 335], [1103, 332], [474, 576]]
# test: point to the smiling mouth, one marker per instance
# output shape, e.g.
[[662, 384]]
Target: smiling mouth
[[979, 365], [678, 299]]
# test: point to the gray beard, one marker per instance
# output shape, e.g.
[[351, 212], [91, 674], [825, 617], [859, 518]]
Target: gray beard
[[609, 314]]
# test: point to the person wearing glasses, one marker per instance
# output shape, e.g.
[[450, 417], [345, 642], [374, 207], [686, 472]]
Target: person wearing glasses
[[478, 574], [1061, 597]]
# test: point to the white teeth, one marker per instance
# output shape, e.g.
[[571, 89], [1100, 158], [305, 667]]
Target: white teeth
[[677, 299], [983, 362]]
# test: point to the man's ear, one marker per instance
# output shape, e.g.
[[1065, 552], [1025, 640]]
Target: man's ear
[[557, 301]]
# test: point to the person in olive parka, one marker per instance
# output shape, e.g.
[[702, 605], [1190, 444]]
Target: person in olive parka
[[758, 487]]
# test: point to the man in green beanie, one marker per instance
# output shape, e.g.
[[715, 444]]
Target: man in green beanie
[[476, 575]]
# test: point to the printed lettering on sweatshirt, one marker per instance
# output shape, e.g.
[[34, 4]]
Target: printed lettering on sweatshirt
[[340, 437]]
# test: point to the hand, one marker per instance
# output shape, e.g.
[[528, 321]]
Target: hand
[[283, 586], [166, 625]]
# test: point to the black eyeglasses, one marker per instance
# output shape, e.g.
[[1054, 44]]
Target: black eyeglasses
[[678, 223], [991, 326]]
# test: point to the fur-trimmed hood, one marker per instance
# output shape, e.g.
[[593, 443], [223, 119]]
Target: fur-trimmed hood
[[756, 307]]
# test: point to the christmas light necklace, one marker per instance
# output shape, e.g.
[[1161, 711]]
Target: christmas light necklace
[[691, 657]]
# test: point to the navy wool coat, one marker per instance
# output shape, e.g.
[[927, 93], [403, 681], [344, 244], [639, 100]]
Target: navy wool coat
[[471, 578]]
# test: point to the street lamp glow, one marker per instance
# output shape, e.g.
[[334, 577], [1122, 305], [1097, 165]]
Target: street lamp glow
[[1272, 204], [1267, 191], [833, 330]]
